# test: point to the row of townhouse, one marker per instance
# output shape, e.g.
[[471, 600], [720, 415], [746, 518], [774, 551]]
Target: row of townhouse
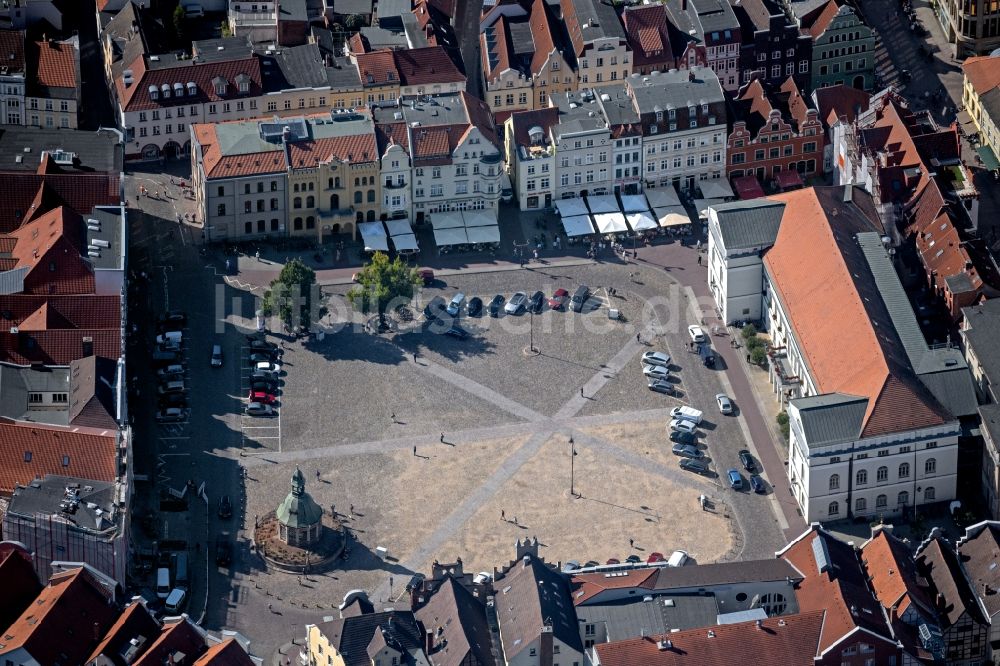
[[670, 128], [320, 174], [160, 94], [532, 49], [39, 81]]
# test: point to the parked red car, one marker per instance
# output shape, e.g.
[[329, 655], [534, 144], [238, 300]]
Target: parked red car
[[261, 396], [655, 557], [427, 275], [559, 298]]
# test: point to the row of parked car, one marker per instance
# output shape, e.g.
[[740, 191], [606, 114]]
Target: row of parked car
[[171, 367], [264, 360]]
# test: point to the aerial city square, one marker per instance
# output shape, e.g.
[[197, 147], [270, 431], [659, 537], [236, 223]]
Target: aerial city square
[[499, 332]]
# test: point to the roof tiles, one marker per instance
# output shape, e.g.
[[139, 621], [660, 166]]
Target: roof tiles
[[426, 66], [30, 451], [56, 65], [893, 574]]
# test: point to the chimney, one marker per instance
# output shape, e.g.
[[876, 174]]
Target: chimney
[[759, 624], [428, 641], [88, 346], [664, 645], [893, 614], [711, 634]]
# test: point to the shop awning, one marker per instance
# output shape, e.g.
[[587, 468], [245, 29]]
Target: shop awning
[[578, 225], [605, 203], [988, 157], [488, 234], [450, 236], [571, 207], [480, 218], [788, 180], [715, 189], [373, 235], [672, 216], [610, 223], [702, 205], [641, 221], [447, 220], [747, 187], [405, 242], [398, 227], [634, 203], [663, 197]]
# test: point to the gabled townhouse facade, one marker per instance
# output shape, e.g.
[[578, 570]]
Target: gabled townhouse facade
[[582, 142], [12, 77], [626, 136], [598, 41], [648, 34], [773, 132], [714, 37], [52, 93], [531, 156], [772, 45], [843, 46]]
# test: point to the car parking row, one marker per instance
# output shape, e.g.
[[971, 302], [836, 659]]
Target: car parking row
[[170, 367], [261, 377]]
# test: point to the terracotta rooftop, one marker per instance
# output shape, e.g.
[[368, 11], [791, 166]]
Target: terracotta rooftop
[[80, 192], [178, 636], [841, 101], [983, 72], [133, 622], [893, 575], [790, 640], [356, 149], [938, 562], [523, 121], [836, 585], [56, 65], [542, 34], [226, 653], [30, 451], [50, 248], [65, 622], [12, 50], [816, 261], [377, 68], [586, 586], [19, 584], [38, 313], [648, 34], [204, 75], [818, 20], [426, 66]]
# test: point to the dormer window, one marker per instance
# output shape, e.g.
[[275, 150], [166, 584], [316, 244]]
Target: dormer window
[[672, 113], [704, 108], [659, 116], [389, 76], [243, 83], [154, 92], [692, 111], [165, 89], [192, 89], [220, 85]]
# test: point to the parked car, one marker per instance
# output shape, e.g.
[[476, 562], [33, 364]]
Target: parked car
[[260, 409], [678, 558], [225, 507], [223, 553], [264, 346], [696, 466], [457, 332], [176, 386], [174, 338], [725, 404], [496, 304], [661, 385], [757, 484], [516, 303], [683, 425], [173, 320], [735, 479], [475, 307], [655, 557], [559, 298], [536, 302], [656, 358], [455, 306], [162, 357], [258, 357], [170, 371], [747, 460], [633, 559], [655, 371], [687, 413], [261, 396], [683, 437], [263, 376], [175, 601], [265, 386], [688, 451], [613, 560], [707, 355], [171, 415], [571, 565], [268, 366], [216, 360], [580, 297], [435, 309], [696, 333]]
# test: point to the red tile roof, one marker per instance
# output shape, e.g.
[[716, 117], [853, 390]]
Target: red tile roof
[[893, 575], [940, 563], [226, 653], [816, 254], [392, 133], [840, 101], [12, 50], [30, 451], [203, 74], [983, 72], [789, 640], [523, 121], [81, 192], [648, 35], [65, 622], [35, 313], [840, 588], [180, 636], [377, 68], [19, 584], [50, 247], [818, 20], [357, 149], [542, 33], [426, 66], [56, 65], [979, 551], [58, 347], [585, 587], [133, 622]]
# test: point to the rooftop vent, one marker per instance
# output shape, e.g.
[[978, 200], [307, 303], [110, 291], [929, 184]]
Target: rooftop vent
[[664, 645]]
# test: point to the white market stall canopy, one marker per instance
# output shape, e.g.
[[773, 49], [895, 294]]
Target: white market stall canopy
[[486, 234], [663, 197], [702, 205], [398, 227], [610, 223], [605, 203], [450, 236], [405, 242], [672, 216], [641, 221], [373, 234], [578, 225], [716, 189], [634, 203], [480, 218], [447, 220], [571, 207]]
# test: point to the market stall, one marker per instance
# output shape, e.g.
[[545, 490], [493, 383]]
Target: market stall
[[641, 221], [610, 223], [605, 203], [373, 236], [571, 207], [663, 197], [578, 225]]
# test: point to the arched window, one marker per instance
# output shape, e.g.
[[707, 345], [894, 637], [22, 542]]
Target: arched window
[[357, 181], [833, 509], [295, 187], [310, 222], [860, 505], [929, 494], [329, 184], [334, 201], [881, 502], [371, 216], [930, 466], [903, 498], [834, 481], [371, 196], [336, 182], [297, 225], [904, 470], [882, 474], [297, 202], [310, 201], [861, 478], [312, 186]]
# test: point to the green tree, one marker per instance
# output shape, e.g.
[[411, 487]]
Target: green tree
[[382, 283], [749, 331], [753, 343], [226, 31], [291, 294], [758, 355], [354, 22], [782, 420], [179, 20]]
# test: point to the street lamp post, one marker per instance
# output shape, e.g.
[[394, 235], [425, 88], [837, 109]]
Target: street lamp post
[[572, 469], [532, 332]]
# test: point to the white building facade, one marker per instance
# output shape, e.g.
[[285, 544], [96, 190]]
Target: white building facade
[[583, 146]]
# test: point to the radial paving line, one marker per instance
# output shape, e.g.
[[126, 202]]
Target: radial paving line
[[676, 475], [480, 391], [599, 379]]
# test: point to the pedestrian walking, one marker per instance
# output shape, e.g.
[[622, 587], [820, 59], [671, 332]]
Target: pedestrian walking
[[257, 255], [352, 511], [699, 260], [270, 608], [581, 391], [414, 357], [637, 338], [442, 440], [515, 520], [393, 417], [415, 449], [503, 516], [317, 475], [631, 543]]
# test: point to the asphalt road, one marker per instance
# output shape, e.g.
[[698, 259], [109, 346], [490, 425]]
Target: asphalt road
[[467, 33]]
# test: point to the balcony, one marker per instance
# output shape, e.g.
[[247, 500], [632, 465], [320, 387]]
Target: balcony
[[393, 186], [252, 19], [490, 158]]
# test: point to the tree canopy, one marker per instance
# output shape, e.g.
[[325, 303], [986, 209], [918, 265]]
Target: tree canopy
[[383, 283], [291, 295]]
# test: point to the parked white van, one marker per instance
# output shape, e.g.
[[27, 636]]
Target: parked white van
[[686, 413], [163, 582], [170, 338], [176, 600]]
